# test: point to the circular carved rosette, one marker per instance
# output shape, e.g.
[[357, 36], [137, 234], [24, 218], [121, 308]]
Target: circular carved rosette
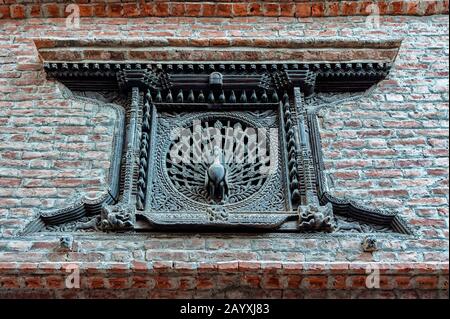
[[218, 160]]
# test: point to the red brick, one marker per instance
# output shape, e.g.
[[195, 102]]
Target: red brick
[[187, 283], [114, 10], [315, 268], [140, 282], [315, 282], [204, 283], [223, 10], [249, 266], [349, 8], [162, 266], [209, 9], [86, 10], [161, 9], [398, 7], [72, 130], [250, 280], [358, 282], [317, 9], [55, 282], [332, 8], [294, 281], [177, 9], [119, 282], [383, 7], [32, 282], [99, 10], [118, 267], [403, 282], [148, 9], [52, 10], [131, 10], [445, 7], [339, 282], [271, 267], [96, 282], [431, 7], [28, 267], [207, 267], [164, 282], [33, 11], [293, 268], [51, 267], [271, 282], [272, 9], [287, 9], [184, 267], [389, 192], [426, 282], [9, 282], [10, 182], [45, 245], [303, 10], [255, 9], [347, 175], [240, 9], [193, 9], [18, 11], [228, 266], [438, 172], [220, 42], [29, 67], [4, 12], [139, 266]]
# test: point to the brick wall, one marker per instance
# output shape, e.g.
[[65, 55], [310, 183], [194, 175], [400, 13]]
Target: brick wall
[[220, 8], [389, 148]]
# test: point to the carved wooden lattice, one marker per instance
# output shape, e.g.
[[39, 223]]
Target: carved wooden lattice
[[224, 146]]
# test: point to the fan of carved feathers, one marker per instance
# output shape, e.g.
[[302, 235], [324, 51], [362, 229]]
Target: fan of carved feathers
[[244, 177]]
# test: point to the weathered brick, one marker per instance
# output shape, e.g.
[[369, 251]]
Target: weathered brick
[[52, 10], [317, 9], [18, 11], [193, 9], [224, 10]]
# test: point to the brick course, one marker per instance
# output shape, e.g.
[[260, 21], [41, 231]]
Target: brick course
[[223, 8], [288, 280], [389, 148]]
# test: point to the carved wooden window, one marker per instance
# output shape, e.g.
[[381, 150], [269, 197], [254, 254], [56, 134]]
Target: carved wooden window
[[219, 146]]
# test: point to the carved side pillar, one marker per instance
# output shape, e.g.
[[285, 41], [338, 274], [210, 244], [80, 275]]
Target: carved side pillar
[[122, 216], [312, 216]]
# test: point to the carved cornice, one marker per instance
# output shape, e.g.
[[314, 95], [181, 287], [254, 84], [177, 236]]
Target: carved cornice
[[310, 77]]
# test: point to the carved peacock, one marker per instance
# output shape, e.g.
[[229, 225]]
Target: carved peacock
[[229, 175], [216, 177]]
